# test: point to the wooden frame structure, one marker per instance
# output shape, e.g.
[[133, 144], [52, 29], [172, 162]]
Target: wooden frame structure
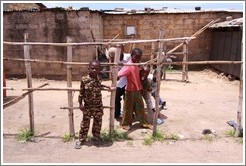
[[184, 41]]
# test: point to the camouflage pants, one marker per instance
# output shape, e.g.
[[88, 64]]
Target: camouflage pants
[[85, 123]]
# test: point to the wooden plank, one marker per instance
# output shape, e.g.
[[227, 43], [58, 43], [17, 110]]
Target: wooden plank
[[233, 51], [227, 48], [221, 48], [237, 68]]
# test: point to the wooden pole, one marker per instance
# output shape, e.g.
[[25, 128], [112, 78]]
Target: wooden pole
[[152, 54], [185, 59], [69, 85], [181, 39], [124, 64], [29, 83], [113, 93], [57, 89], [160, 49], [240, 101], [15, 100], [8, 88], [107, 107]]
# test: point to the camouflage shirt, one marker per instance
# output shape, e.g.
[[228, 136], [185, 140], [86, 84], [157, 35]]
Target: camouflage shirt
[[90, 92]]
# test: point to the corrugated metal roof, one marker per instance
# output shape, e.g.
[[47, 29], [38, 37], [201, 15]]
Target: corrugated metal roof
[[231, 23], [120, 11], [168, 11]]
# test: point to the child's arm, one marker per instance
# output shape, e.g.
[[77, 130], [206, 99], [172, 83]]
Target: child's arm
[[108, 87], [81, 96]]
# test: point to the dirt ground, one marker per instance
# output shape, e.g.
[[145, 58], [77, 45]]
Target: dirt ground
[[208, 101]]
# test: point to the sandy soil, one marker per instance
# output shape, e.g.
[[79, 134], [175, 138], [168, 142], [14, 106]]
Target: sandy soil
[[208, 101]]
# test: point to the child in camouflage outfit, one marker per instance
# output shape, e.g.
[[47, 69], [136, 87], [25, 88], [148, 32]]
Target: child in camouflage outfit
[[90, 103]]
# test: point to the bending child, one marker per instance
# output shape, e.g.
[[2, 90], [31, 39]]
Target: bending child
[[146, 92], [133, 102]]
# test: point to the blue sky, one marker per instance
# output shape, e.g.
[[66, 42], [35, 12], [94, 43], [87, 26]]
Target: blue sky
[[183, 5]]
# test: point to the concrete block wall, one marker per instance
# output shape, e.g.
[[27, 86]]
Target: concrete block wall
[[50, 27], [174, 25], [20, 6], [54, 26]]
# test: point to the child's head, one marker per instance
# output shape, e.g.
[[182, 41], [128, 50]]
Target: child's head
[[144, 72], [136, 55], [110, 53], [94, 68]]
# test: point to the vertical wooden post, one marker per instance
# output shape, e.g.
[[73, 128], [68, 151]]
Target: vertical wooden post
[[185, 59], [113, 93], [160, 48], [29, 82], [4, 83], [69, 84], [152, 54], [240, 102]]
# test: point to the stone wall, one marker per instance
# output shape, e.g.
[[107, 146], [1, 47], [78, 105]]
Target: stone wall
[[50, 27]]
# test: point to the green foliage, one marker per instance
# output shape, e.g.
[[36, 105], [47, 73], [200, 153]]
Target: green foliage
[[230, 133], [148, 141], [160, 136], [67, 138], [25, 135], [208, 137], [115, 136]]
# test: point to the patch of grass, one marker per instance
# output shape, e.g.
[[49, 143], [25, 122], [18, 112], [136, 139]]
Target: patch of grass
[[160, 136], [230, 133], [25, 135], [67, 138], [208, 137], [115, 136], [148, 141], [174, 137]]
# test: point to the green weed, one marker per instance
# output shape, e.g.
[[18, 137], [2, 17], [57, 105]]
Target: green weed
[[115, 136], [25, 135], [67, 138], [208, 137], [230, 133], [160, 136]]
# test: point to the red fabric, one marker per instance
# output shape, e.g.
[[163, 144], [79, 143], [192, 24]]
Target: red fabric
[[132, 76]]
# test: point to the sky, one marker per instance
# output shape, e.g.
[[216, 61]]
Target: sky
[[183, 5]]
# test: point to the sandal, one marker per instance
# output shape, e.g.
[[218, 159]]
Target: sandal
[[78, 145], [147, 126], [126, 127]]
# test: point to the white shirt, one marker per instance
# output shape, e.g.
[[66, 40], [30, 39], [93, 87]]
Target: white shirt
[[123, 81]]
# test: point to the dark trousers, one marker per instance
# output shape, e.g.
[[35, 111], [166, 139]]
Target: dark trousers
[[119, 93]]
